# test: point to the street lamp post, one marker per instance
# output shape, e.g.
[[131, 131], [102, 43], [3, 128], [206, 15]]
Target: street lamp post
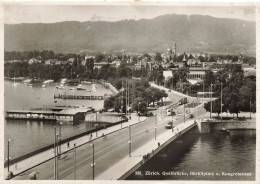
[[96, 125], [121, 117], [138, 112], [210, 99], [74, 162], [55, 169], [57, 159], [8, 153], [221, 102], [129, 141], [172, 118], [184, 113], [126, 84], [60, 137], [93, 162], [155, 127]]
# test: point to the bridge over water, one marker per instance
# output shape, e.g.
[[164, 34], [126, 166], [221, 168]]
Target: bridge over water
[[123, 146], [118, 153]]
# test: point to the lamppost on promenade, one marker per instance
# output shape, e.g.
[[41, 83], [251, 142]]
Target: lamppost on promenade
[[57, 159], [155, 127], [93, 162], [126, 89], [121, 117], [74, 162], [210, 99], [8, 155], [184, 113], [60, 137], [221, 102], [138, 112], [172, 118], [55, 168], [129, 142], [96, 125]]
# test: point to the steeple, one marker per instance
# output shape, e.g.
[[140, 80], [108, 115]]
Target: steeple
[[184, 59]]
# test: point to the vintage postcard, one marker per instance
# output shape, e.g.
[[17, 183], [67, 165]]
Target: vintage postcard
[[151, 91]]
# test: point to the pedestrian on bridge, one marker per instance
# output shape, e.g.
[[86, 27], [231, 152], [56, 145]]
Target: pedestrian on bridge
[[68, 144]]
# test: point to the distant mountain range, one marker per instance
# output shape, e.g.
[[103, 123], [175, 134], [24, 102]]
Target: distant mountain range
[[195, 33]]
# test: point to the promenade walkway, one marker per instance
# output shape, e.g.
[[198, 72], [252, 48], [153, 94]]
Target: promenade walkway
[[172, 94], [48, 154], [118, 170], [167, 90]]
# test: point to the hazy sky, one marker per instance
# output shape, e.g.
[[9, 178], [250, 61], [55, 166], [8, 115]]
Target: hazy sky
[[14, 14]]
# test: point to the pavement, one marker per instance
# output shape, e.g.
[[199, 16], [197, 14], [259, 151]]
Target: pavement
[[169, 91], [116, 171], [48, 154], [175, 95]]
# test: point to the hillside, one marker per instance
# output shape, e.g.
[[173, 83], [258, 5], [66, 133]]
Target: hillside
[[194, 33]]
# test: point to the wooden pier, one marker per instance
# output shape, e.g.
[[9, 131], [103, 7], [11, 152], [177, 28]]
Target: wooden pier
[[80, 97]]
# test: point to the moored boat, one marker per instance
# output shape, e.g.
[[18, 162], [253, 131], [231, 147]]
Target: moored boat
[[59, 87], [27, 81], [80, 88], [48, 81]]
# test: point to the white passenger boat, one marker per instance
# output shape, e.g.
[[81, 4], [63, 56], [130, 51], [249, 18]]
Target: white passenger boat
[[48, 81], [27, 81]]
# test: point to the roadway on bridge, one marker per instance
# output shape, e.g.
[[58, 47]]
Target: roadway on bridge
[[108, 151]]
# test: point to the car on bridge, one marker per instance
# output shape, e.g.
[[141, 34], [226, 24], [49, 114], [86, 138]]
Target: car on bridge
[[183, 101], [169, 125]]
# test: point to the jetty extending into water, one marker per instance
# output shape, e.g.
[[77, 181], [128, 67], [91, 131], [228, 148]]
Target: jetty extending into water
[[80, 97]]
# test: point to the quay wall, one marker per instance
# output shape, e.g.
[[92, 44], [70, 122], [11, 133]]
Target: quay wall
[[13, 161], [197, 127], [157, 150], [211, 126]]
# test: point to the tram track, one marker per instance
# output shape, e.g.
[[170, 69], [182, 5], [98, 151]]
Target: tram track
[[82, 161]]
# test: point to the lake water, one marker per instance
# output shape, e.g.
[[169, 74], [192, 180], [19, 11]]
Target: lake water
[[214, 153], [28, 136]]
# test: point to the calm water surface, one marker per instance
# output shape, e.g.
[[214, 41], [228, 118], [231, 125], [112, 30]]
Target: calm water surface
[[212, 153], [28, 136]]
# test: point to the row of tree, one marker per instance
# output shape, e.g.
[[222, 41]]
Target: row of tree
[[141, 96], [238, 91], [41, 55], [41, 71], [76, 70]]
